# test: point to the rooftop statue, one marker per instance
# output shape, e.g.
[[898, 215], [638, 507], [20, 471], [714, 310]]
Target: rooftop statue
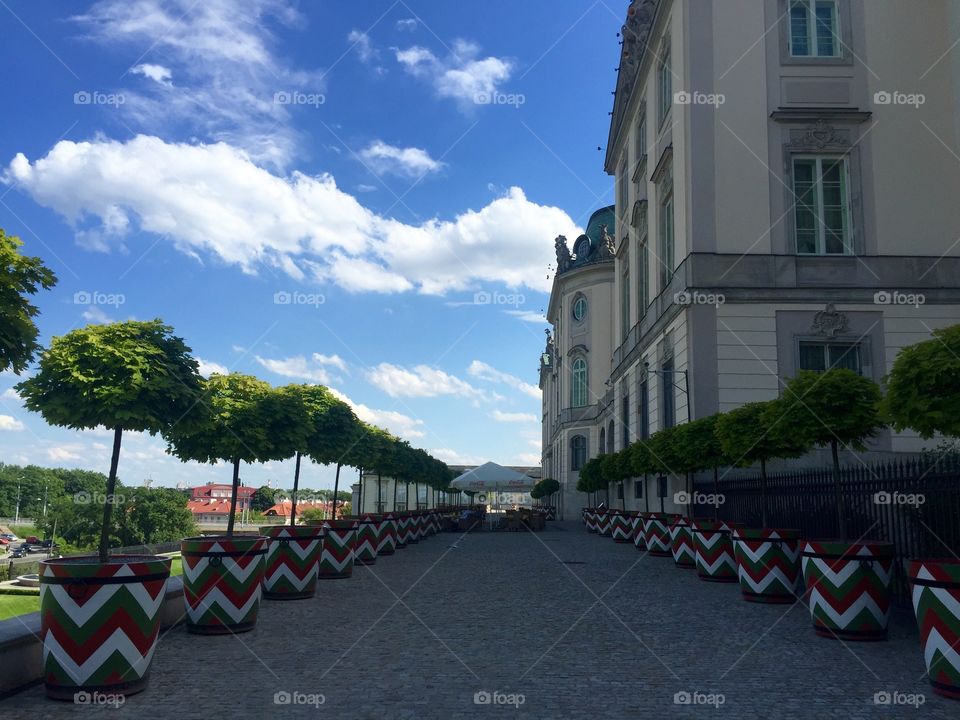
[[563, 254]]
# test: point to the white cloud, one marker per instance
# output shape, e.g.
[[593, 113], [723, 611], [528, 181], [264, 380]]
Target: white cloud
[[420, 381], [407, 25], [362, 44], [157, 73], [300, 368], [213, 199], [462, 76], [95, 315], [59, 453], [514, 417], [10, 423], [366, 188], [528, 316], [483, 371], [208, 368], [399, 424], [529, 459], [11, 395], [452, 457], [410, 162]]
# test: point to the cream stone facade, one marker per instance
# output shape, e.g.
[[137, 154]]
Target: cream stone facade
[[786, 177]]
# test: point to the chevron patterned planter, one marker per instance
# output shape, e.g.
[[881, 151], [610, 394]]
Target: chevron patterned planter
[[222, 580], [583, 515], [387, 532], [339, 548], [656, 533], [620, 526], [714, 551], [604, 523], [639, 540], [768, 564], [681, 543], [291, 561], [590, 519], [413, 527], [848, 588], [368, 539], [403, 529], [99, 622], [936, 602]]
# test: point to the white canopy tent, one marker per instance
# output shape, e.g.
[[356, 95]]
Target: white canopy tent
[[493, 478]]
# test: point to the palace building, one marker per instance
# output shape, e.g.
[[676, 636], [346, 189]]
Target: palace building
[[786, 177]]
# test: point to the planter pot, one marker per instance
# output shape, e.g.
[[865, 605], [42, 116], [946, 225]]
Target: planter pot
[[368, 539], [936, 602], [583, 515], [403, 529], [293, 554], [413, 528], [339, 547], [604, 523], [768, 564], [99, 622], [222, 579], [681, 543], [620, 526], [656, 533], [714, 551], [551, 513], [639, 540], [590, 519], [848, 587], [387, 532]]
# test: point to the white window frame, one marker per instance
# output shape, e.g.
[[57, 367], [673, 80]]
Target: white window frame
[[623, 195], [812, 42], [625, 297], [668, 234], [579, 392], [664, 82], [821, 236]]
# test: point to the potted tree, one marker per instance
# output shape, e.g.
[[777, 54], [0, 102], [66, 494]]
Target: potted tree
[[549, 487], [767, 558], [642, 465], [246, 421], [847, 583], [607, 474], [587, 483], [662, 448], [923, 394], [100, 615]]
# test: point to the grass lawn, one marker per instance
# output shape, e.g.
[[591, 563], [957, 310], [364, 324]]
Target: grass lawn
[[23, 531]]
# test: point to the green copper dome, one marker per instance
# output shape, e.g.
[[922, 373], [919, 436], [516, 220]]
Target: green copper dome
[[603, 216]]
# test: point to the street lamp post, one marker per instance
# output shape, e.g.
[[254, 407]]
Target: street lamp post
[[17, 513]]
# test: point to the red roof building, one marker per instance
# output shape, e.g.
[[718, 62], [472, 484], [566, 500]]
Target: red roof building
[[282, 509], [218, 491]]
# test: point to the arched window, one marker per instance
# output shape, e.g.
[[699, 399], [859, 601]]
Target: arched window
[[578, 451], [610, 438], [578, 387], [603, 441]]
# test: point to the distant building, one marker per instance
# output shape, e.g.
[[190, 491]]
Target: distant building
[[218, 491], [282, 509]]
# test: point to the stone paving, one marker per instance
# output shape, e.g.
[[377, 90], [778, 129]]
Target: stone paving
[[613, 633]]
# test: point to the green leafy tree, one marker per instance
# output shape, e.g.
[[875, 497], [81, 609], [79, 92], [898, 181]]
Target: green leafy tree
[[643, 463], [837, 407], [263, 499], [334, 430], [697, 447], [313, 515], [154, 515], [134, 375], [246, 421], [20, 277], [923, 388]]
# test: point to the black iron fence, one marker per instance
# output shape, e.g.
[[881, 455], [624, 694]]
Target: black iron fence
[[915, 504]]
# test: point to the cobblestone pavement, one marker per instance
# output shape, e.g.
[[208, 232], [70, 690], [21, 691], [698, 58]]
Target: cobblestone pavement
[[574, 625]]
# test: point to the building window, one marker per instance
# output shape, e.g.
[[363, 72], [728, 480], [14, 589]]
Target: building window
[[579, 308], [625, 419], [666, 228], [822, 205], [641, 139], [625, 298], [664, 83], [622, 196], [814, 28], [644, 410], [603, 441], [578, 451], [820, 356], [610, 437], [638, 489], [578, 389], [667, 391], [642, 275], [620, 491]]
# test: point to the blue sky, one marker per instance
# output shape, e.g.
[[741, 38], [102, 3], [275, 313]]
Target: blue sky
[[360, 194]]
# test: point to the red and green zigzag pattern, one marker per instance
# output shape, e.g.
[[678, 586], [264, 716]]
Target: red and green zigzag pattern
[[620, 527], [681, 544], [714, 551], [936, 602], [291, 561], [222, 593], [638, 537], [768, 564], [368, 540], [387, 533], [657, 533], [339, 545]]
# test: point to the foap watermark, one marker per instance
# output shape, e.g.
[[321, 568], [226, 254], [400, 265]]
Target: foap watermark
[[498, 298], [898, 498], [895, 297], [283, 297], [695, 97], [499, 98], [299, 698], [113, 700], [485, 697], [895, 697], [895, 97], [699, 498], [686, 697], [695, 297], [95, 297], [95, 97], [296, 97], [98, 498]]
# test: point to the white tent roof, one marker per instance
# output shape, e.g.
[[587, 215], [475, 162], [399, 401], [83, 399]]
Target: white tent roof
[[493, 477]]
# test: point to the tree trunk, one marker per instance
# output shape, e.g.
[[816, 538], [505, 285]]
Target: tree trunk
[[395, 483], [336, 488], [360, 494], [646, 493], [841, 514], [716, 492], [108, 500], [379, 480], [296, 487], [763, 493], [689, 495], [233, 496], [623, 494]]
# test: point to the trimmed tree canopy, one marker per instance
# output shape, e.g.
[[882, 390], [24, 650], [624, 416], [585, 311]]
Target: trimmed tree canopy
[[923, 388], [20, 276], [697, 445], [748, 434]]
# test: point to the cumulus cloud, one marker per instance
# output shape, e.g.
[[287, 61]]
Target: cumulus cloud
[[410, 162], [10, 423], [361, 42], [483, 371], [452, 457], [315, 369], [463, 76], [208, 368], [157, 73], [213, 199], [96, 316], [407, 24], [514, 417], [421, 381], [399, 424]]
